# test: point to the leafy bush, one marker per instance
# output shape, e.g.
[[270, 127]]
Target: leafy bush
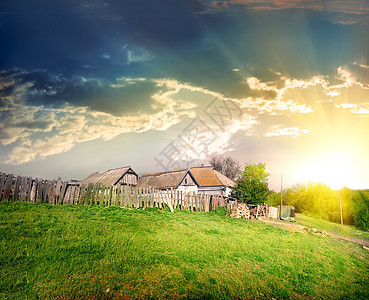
[[361, 210]]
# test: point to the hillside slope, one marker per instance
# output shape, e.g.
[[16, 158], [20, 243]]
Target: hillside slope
[[90, 252]]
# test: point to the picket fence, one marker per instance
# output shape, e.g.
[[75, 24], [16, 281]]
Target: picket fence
[[26, 189]]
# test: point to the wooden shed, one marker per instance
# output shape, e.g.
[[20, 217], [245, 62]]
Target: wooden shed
[[212, 182], [179, 180], [119, 176]]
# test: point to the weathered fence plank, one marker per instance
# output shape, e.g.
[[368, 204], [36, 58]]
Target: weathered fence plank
[[17, 188], [29, 188], [8, 186], [33, 190], [23, 189], [62, 191], [74, 192], [2, 183], [39, 191]]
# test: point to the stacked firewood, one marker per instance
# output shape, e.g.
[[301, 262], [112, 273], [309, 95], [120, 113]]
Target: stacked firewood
[[240, 211]]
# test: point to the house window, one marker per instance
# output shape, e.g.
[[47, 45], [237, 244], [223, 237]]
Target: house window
[[185, 181]]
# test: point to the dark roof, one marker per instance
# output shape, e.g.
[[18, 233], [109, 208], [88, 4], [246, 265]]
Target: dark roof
[[207, 176], [106, 178], [162, 180]]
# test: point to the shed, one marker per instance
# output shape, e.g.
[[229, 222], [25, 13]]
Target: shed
[[212, 182], [119, 176], [179, 179]]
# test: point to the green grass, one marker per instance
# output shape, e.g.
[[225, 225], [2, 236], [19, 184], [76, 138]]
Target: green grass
[[345, 230], [91, 252]]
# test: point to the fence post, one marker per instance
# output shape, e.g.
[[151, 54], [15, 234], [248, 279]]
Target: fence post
[[16, 189], [44, 190], [207, 203], [8, 186], [57, 191], [23, 189], [125, 196], [67, 195], [2, 183], [160, 200]]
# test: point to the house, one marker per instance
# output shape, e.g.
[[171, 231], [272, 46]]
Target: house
[[119, 176], [212, 182], [198, 179], [181, 180]]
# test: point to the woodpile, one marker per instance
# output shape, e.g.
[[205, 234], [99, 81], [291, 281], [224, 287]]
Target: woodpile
[[241, 211], [244, 211]]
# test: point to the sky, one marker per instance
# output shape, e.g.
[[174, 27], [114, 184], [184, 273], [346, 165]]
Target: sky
[[90, 85]]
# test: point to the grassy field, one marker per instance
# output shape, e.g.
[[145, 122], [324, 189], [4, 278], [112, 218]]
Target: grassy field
[[346, 230], [90, 252]]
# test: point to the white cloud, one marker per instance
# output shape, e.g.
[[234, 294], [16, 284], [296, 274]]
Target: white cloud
[[273, 107], [138, 55], [348, 80], [245, 124], [282, 102], [343, 12], [201, 139], [287, 131], [42, 131], [361, 65], [347, 105], [332, 93], [289, 84], [359, 109]]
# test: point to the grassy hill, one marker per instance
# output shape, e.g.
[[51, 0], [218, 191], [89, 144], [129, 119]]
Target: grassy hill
[[345, 230], [90, 252]]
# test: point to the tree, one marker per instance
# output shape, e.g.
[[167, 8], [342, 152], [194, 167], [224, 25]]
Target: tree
[[314, 199], [361, 210], [226, 165], [273, 198], [252, 186]]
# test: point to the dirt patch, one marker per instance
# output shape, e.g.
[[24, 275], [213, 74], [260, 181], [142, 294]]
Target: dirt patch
[[296, 227]]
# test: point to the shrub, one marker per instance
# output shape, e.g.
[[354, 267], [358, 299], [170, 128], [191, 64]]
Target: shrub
[[360, 216]]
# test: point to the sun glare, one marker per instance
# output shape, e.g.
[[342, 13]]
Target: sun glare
[[333, 169]]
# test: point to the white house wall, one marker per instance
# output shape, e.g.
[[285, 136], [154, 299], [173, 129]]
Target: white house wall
[[188, 188], [216, 190], [187, 181]]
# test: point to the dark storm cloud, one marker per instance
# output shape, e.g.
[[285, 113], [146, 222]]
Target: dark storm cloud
[[34, 124], [5, 90], [182, 40], [49, 33], [97, 94], [43, 33]]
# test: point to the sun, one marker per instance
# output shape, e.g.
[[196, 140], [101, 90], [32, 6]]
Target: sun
[[332, 168]]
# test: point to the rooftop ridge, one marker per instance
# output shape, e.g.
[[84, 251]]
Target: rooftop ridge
[[117, 168], [164, 172]]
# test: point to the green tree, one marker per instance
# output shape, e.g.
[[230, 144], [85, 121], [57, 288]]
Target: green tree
[[314, 198], [252, 186], [361, 210]]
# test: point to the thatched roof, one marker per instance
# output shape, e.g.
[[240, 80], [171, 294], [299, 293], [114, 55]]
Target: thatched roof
[[207, 176], [162, 180], [107, 178]]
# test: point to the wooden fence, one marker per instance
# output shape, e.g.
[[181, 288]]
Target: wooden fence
[[26, 189]]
